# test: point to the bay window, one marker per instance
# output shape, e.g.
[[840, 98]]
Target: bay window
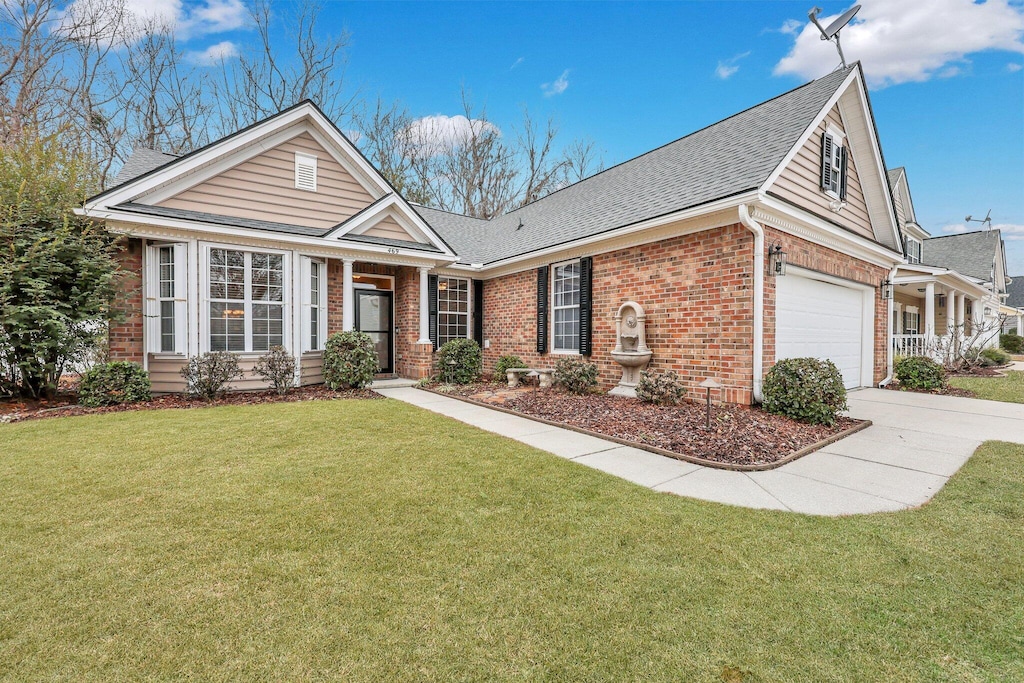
[[246, 309], [566, 308], [452, 309]]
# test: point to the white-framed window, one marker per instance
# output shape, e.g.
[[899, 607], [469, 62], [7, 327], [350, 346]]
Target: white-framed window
[[913, 250], [305, 171], [452, 309], [166, 298], [314, 304], [833, 180], [911, 321], [247, 305], [565, 299]]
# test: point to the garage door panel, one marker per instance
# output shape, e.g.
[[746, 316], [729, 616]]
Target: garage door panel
[[820, 320]]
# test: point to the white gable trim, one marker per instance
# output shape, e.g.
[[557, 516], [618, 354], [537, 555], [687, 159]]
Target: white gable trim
[[855, 131], [395, 207]]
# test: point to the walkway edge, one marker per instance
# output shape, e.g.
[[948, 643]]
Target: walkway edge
[[795, 455]]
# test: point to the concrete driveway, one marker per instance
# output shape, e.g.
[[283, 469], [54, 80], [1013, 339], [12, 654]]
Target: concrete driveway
[[917, 442]]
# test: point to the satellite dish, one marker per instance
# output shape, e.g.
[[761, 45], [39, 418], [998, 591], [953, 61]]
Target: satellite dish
[[832, 32]]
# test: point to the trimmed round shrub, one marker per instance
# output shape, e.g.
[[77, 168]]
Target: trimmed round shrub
[[661, 388], [1011, 342], [805, 389], [993, 356], [209, 375], [918, 372], [350, 360], [277, 368], [109, 384], [459, 361], [505, 363], [575, 375]]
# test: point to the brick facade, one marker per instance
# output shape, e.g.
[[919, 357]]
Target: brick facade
[[697, 292], [125, 340]]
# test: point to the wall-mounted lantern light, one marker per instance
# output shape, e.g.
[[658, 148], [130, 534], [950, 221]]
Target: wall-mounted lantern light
[[776, 260], [887, 289]]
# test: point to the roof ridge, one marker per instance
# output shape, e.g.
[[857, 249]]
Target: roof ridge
[[965, 234]]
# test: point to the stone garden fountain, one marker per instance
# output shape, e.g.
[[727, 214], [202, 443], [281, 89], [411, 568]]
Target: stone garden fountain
[[631, 350]]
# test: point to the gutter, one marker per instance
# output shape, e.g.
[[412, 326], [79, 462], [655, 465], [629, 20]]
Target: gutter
[[889, 351], [751, 225]]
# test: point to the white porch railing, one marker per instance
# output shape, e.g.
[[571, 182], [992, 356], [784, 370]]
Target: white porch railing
[[918, 345]]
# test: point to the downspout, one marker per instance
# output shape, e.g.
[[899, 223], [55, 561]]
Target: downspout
[[888, 337], [758, 274]]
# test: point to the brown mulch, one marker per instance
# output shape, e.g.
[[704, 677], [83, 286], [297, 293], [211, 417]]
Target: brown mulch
[[18, 410], [739, 435]]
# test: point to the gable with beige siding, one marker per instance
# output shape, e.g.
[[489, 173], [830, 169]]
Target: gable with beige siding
[[800, 183], [263, 188], [389, 228]]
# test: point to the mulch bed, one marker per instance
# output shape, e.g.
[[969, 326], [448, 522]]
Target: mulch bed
[[739, 435], [18, 410], [944, 391]]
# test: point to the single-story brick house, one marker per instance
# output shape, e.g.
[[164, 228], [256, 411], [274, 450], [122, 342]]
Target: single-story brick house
[[283, 233]]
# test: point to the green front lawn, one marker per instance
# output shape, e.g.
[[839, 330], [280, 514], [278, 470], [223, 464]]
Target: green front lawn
[[375, 541], [1009, 389]]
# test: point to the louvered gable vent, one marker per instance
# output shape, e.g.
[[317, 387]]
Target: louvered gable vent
[[305, 171]]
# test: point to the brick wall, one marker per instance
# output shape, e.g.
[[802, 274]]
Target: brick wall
[[126, 335], [697, 293]]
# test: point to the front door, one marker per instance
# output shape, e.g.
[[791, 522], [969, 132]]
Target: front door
[[373, 316]]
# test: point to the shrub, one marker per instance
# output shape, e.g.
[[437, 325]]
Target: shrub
[[918, 372], [350, 360], [108, 384], [660, 388], [277, 368], [993, 356], [806, 389], [209, 374], [1011, 342], [459, 361], [505, 363], [575, 375]]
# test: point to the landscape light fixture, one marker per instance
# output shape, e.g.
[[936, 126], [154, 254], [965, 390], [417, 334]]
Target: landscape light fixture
[[709, 384], [776, 260]]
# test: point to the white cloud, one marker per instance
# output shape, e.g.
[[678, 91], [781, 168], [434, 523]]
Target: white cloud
[[434, 134], [900, 41], [1009, 231], [214, 54], [218, 16], [517, 63], [558, 86], [791, 27], [171, 16], [728, 67], [1014, 67]]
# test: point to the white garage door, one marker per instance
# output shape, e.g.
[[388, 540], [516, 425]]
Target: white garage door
[[819, 319]]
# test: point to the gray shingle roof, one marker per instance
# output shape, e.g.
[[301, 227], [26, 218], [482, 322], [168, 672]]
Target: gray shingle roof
[[894, 175], [971, 253], [724, 159], [141, 160], [1015, 292]]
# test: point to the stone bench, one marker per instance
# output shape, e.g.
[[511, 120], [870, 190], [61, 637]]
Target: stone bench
[[546, 376]]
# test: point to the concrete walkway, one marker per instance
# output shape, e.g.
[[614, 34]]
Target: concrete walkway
[[917, 442]]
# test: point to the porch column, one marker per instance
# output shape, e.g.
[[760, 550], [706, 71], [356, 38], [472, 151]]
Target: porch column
[[929, 310], [348, 295], [977, 315], [960, 314], [951, 298], [424, 309]]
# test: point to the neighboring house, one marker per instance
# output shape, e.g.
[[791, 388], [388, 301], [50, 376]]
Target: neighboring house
[[1015, 305], [954, 281], [283, 233]]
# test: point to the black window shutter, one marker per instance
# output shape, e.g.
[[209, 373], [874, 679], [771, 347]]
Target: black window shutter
[[842, 173], [826, 161], [586, 282], [478, 311], [542, 309], [432, 308]]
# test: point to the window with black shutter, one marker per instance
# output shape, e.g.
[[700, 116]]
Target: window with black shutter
[[432, 308], [833, 166], [478, 311], [542, 309], [586, 288]]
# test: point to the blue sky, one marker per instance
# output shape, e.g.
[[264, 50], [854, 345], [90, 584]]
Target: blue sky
[[947, 84]]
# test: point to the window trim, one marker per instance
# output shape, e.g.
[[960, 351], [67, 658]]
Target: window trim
[[920, 250], [552, 308], [204, 295], [838, 143], [469, 307], [152, 299], [309, 160], [306, 275]]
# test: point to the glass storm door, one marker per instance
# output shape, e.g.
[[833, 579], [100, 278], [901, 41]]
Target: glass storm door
[[373, 316]]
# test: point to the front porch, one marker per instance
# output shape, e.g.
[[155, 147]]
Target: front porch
[[931, 311]]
